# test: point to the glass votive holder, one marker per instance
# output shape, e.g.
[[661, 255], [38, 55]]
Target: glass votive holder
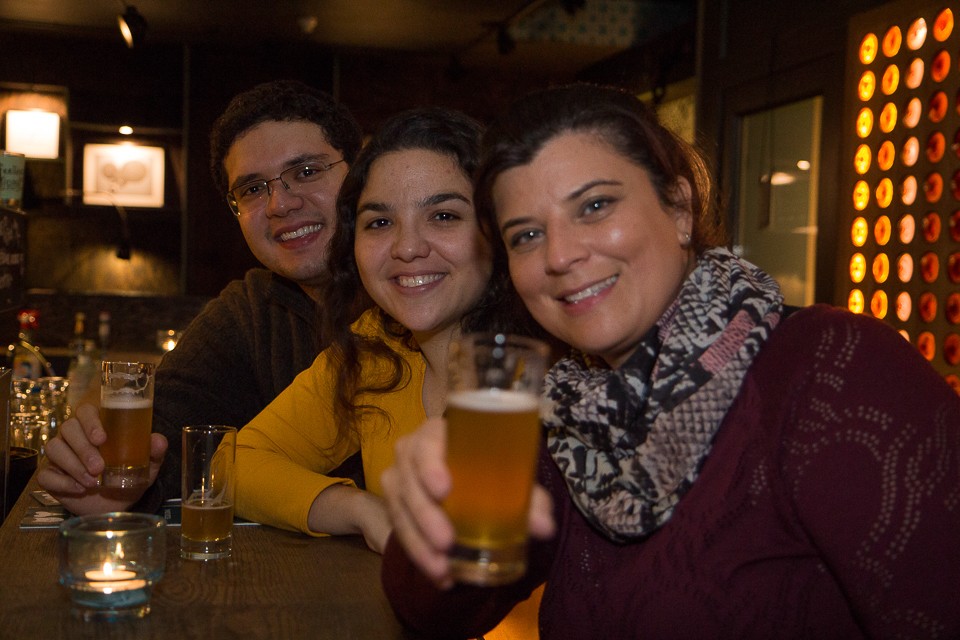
[[53, 400], [110, 562], [25, 396], [29, 429]]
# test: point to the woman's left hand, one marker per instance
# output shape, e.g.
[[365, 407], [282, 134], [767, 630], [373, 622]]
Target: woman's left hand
[[344, 510]]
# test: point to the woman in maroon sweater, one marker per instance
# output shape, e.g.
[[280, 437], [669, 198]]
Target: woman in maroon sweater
[[711, 468]]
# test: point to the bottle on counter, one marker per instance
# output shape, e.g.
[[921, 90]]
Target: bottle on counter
[[103, 332], [83, 372], [26, 359]]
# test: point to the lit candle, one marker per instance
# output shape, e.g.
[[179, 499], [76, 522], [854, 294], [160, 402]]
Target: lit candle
[[111, 579]]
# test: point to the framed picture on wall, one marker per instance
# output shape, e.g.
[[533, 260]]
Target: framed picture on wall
[[125, 175]]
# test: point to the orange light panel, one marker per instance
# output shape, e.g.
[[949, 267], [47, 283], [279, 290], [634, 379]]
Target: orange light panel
[[911, 151], [940, 66], [861, 161], [891, 41], [868, 84], [855, 301], [929, 267], [878, 304], [908, 190], [869, 46], [885, 193], [859, 231], [905, 267], [906, 228], [861, 195], [881, 268], [881, 230], [917, 34], [858, 268], [911, 115], [942, 26], [904, 306]]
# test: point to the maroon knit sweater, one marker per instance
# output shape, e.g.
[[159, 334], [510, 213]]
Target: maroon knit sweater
[[829, 507]]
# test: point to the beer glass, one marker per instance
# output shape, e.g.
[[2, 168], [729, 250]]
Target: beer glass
[[126, 412], [493, 434], [206, 527]]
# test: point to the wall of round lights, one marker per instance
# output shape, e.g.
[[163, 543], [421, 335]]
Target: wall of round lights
[[903, 253]]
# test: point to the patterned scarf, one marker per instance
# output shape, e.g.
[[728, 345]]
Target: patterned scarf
[[630, 441]]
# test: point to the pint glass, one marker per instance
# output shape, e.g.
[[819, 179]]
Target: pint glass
[[126, 412], [493, 434]]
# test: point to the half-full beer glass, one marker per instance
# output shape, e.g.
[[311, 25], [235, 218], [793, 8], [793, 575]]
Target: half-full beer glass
[[206, 528], [126, 411], [493, 433]]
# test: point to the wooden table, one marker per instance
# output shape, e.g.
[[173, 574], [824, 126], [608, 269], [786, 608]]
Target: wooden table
[[277, 585]]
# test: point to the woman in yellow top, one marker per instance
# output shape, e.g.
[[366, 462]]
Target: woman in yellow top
[[409, 239]]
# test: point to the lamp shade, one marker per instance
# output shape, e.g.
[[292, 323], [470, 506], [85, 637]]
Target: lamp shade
[[34, 133]]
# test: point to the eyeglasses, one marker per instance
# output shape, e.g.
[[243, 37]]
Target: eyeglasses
[[300, 180]]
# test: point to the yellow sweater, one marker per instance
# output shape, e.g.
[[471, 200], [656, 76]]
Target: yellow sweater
[[284, 453]]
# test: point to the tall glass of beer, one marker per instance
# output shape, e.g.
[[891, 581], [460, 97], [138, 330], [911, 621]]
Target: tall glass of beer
[[493, 434], [208, 485], [126, 411]]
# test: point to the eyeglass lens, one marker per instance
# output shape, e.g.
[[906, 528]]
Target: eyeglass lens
[[299, 180]]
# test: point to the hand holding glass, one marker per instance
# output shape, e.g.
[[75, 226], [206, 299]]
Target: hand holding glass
[[493, 434]]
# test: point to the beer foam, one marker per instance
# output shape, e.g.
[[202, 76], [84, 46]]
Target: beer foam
[[493, 400], [125, 402]]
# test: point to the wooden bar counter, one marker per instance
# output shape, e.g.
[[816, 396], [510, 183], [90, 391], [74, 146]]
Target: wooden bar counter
[[277, 585]]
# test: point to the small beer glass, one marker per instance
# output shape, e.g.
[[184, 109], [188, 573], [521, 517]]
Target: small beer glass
[[126, 412], [206, 528], [493, 434]]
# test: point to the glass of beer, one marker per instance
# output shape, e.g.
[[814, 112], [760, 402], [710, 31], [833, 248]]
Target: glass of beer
[[126, 412], [208, 482], [493, 435]]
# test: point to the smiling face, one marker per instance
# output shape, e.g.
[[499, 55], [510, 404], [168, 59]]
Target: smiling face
[[419, 249], [595, 255], [291, 234]]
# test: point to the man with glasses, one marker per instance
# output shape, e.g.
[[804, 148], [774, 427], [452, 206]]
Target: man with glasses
[[279, 153]]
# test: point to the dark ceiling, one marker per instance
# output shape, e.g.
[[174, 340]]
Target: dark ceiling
[[550, 36]]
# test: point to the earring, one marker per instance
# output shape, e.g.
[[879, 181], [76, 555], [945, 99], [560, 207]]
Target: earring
[[686, 239]]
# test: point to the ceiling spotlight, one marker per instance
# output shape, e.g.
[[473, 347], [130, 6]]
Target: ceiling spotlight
[[133, 27]]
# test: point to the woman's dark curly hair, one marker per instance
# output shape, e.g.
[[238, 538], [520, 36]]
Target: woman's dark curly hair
[[281, 101], [444, 131]]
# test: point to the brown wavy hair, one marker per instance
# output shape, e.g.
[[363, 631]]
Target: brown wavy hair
[[627, 124], [444, 131]]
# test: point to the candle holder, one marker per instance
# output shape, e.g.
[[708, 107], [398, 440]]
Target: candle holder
[[110, 562]]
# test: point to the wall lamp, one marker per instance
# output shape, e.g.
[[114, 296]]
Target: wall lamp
[[33, 132], [133, 27], [123, 249]]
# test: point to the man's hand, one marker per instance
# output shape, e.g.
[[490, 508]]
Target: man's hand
[[72, 466]]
